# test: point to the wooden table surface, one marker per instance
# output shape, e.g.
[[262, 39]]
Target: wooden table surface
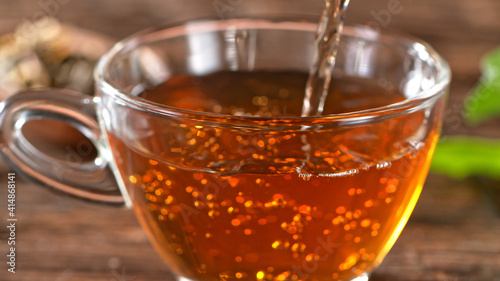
[[454, 233]]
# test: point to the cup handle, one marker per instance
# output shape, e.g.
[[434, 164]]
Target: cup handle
[[91, 181]]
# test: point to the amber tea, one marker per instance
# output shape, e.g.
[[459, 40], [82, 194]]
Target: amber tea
[[226, 204]]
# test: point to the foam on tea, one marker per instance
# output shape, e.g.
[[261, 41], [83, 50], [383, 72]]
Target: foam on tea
[[243, 204]]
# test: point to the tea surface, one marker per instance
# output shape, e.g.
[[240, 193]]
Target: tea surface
[[265, 94]]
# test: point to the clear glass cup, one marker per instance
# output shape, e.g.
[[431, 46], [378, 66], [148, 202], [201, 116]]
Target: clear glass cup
[[330, 204]]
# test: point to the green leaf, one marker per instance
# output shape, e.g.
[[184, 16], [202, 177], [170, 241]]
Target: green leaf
[[484, 101], [490, 65], [461, 157]]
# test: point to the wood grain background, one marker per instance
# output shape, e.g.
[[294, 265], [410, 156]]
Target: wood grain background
[[453, 235]]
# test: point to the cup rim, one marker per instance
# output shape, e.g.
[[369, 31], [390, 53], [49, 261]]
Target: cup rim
[[418, 101]]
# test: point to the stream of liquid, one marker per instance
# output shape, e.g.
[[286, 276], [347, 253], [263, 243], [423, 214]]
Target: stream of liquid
[[326, 46]]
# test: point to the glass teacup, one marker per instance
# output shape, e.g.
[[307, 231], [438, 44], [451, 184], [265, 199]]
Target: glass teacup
[[225, 193]]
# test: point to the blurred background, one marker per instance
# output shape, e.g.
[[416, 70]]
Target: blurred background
[[454, 233]]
